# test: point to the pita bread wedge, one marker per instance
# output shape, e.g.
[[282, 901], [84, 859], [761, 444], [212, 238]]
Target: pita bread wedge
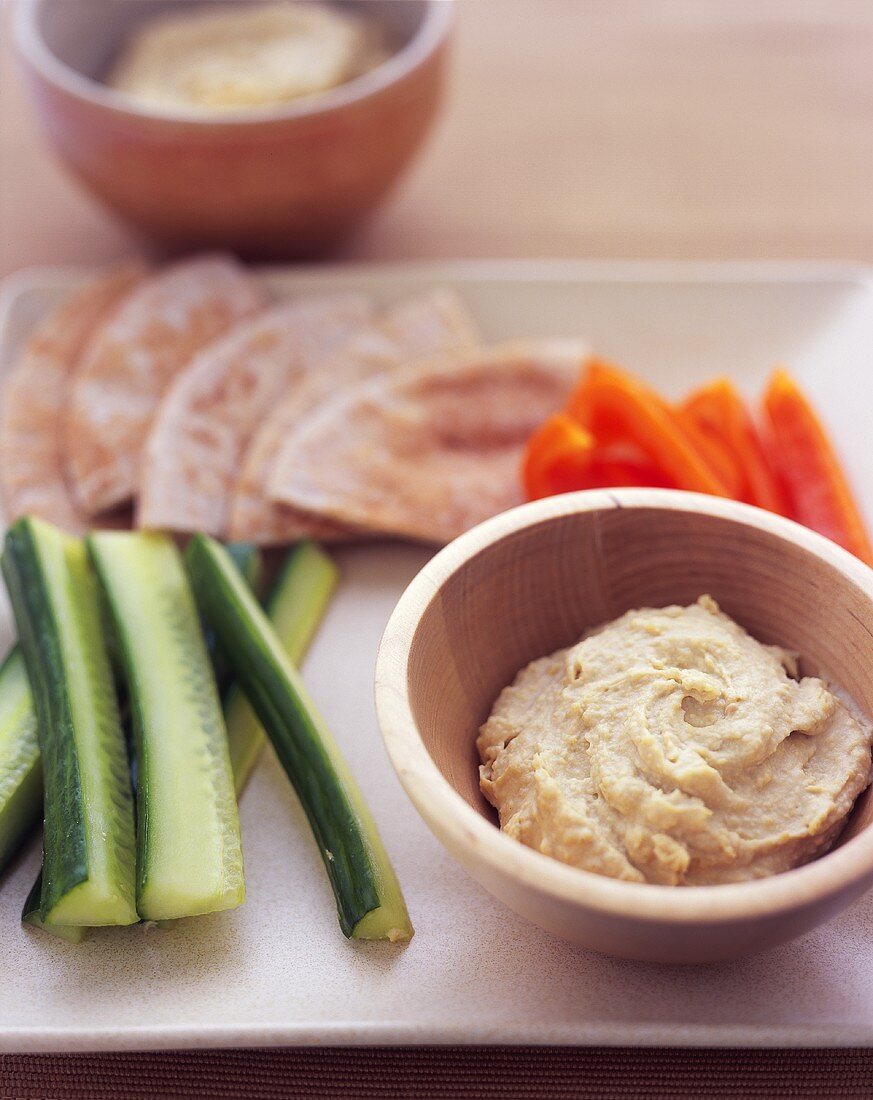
[[430, 324], [32, 476], [431, 451], [192, 455], [132, 359]]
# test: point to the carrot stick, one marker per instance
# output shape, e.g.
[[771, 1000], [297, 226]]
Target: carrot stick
[[805, 459], [718, 411], [613, 405]]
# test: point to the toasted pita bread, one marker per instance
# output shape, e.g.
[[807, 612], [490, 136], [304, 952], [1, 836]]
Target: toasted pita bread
[[433, 323], [431, 451], [32, 475], [133, 358], [192, 455]]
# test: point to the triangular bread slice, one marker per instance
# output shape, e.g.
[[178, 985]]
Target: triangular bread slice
[[132, 359], [33, 479]]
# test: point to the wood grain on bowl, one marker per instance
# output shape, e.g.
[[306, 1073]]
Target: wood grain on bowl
[[533, 580]]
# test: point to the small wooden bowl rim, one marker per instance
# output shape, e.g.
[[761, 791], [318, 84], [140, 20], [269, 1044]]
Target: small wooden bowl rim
[[434, 29], [448, 814]]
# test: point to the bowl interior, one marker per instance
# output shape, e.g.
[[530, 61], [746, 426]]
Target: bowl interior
[[85, 35], [539, 588]]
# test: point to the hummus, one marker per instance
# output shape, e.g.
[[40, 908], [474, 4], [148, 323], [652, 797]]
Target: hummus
[[671, 747], [228, 58]]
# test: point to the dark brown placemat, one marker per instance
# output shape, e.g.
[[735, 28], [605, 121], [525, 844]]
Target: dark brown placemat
[[432, 1073]]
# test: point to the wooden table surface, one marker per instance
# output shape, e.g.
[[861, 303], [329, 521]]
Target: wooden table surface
[[585, 128]]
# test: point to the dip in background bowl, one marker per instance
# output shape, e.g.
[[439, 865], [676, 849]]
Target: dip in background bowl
[[284, 181]]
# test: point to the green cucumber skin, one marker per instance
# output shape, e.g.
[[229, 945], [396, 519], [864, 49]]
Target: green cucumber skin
[[296, 607], [20, 763], [249, 560], [189, 850], [352, 854], [83, 837]]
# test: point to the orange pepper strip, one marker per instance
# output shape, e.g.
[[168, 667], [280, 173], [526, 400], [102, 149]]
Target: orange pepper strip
[[718, 410], [612, 404], [804, 457], [556, 458]]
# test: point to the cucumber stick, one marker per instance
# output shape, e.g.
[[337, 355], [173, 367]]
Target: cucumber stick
[[89, 855], [369, 901], [20, 765], [189, 854], [295, 608]]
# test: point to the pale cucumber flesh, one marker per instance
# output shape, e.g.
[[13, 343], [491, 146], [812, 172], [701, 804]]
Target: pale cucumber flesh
[[30, 914]]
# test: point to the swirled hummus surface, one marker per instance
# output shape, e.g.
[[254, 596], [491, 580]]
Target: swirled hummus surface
[[672, 747]]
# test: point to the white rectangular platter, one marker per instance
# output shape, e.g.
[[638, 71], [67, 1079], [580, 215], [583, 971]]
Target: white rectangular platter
[[278, 970]]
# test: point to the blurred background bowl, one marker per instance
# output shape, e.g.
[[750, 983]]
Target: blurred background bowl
[[533, 580], [285, 181]]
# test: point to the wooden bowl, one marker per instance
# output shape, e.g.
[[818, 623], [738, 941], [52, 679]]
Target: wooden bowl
[[533, 580], [285, 181]]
